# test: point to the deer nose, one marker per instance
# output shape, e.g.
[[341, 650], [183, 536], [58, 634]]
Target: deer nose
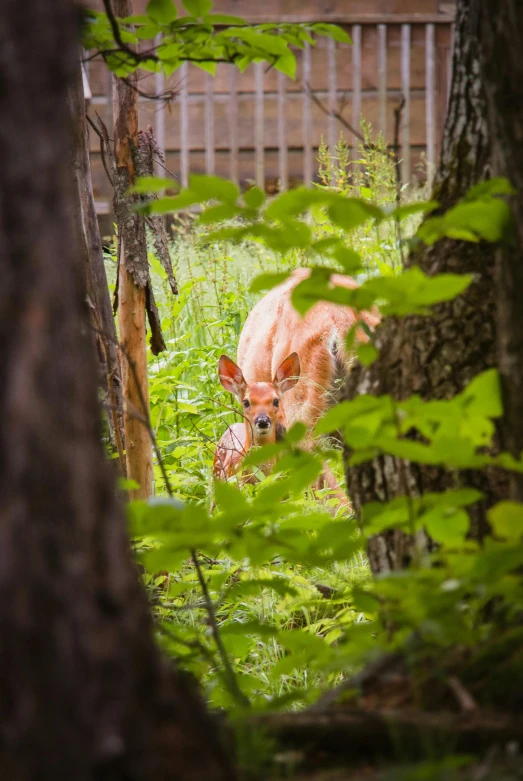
[[262, 422]]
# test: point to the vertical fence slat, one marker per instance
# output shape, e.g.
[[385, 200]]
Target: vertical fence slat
[[430, 97], [209, 124], [259, 149], [306, 117], [356, 79], [283, 160], [184, 125], [159, 124], [405, 88], [449, 63], [382, 78], [233, 127], [333, 87]]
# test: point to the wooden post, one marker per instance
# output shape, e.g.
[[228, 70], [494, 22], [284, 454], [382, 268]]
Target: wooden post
[[209, 124], [184, 126], [159, 125], [282, 133], [382, 79], [405, 89], [259, 141], [332, 86], [430, 98], [233, 127], [306, 117], [356, 81], [132, 285]]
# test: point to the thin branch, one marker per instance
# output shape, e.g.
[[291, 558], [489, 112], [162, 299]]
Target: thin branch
[[102, 148], [336, 114], [115, 27]]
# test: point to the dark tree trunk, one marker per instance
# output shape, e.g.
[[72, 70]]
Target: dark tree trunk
[[437, 356], [502, 61], [89, 246], [84, 694]]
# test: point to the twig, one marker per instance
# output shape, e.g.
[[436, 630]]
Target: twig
[[115, 27], [102, 148]]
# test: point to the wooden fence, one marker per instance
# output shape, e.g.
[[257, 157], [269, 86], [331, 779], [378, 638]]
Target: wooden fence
[[261, 126]]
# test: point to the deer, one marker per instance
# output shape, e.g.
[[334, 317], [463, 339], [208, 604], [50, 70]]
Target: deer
[[288, 369]]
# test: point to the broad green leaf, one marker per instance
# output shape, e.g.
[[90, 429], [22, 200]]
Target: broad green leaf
[[254, 197], [209, 188], [349, 259], [162, 11], [367, 354], [152, 184], [267, 281], [224, 211], [286, 64], [224, 19], [506, 519], [407, 210], [331, 31], [171, 203], [495, 186], [482, 396], [206, 65], [447, 527], [197, 8], [350, 213]]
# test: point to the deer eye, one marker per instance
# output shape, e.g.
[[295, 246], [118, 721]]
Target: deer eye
[[276, 402], [246, 403]]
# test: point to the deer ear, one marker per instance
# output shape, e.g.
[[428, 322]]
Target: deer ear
[[231, 377], [287, 373]]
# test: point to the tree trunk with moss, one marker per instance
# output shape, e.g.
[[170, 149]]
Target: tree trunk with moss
[[501, 26], [84, 693], [437, 356]]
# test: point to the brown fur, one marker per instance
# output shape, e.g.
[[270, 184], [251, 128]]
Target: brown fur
[[272, 331]]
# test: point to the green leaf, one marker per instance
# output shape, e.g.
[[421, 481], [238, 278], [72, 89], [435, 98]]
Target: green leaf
[[207, 66], [447, 527], [367, 354], [350, 213], [495, 186], [162, 11], [254, 197], [286, 64], [506, 519], [224, 19], [331, 31], [151, 184], [421, 207], [224, 211], [197, 8], [267, 281], [208, 188], [349, 259], [482, 396]]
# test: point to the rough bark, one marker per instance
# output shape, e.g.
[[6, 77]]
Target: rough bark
[[502, 67], [437, 356], [84, 694], [147, 148], [133, 276], [89, 246]]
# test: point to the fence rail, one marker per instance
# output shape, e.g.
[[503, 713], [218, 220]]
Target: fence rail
[[261, 126]]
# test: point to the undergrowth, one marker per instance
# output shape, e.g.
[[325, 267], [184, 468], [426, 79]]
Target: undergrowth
[[189, 413]]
